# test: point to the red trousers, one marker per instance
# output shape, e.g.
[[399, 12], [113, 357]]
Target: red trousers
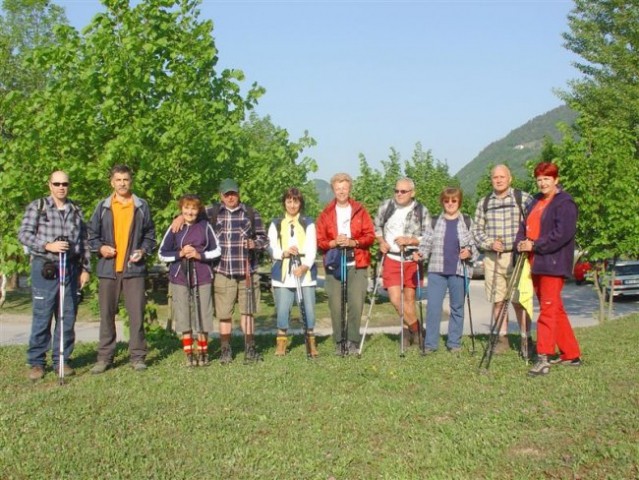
[[553, 326]]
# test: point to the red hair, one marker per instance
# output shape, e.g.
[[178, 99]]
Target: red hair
[[546, 169]]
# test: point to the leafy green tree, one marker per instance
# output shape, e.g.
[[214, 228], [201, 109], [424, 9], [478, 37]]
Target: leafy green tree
[[599, 162], [140, 86]]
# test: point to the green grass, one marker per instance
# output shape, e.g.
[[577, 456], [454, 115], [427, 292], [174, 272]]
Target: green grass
[[378, 417]]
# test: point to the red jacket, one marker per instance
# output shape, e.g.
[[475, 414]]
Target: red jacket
[[362, 230]]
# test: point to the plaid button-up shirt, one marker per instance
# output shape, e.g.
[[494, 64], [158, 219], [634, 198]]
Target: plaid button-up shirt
[[500, 221], [233, 228], [43, 225]]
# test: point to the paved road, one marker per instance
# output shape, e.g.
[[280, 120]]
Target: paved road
[[580, 302]]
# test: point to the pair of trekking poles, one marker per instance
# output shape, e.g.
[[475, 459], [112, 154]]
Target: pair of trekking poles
[[419, 300], [497, 321]]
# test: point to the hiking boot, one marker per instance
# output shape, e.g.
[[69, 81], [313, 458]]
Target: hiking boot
[[36, 373], [353, 348], [251, 354], [455, 350], [280, 347], [312, 346], [100, 367], [530, 347], [341, 349], [190, 361], [427, 351], [541, 367], [203, 359], [68, 371], [138, 366], [226, 356], [414, 338], [406, 338], [575, 362], [502, 345]]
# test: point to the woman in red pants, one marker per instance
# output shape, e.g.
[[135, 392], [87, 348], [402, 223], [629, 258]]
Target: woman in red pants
[[548, 235]]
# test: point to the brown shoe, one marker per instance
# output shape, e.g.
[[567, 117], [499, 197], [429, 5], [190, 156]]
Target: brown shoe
[[36, 373], [502, 345], [280, 347], [312, 346], [68, 371]]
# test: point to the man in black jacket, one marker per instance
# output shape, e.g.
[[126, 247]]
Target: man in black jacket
[[121, 233]]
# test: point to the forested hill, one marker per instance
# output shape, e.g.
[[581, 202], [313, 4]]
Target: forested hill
[[516, 148]]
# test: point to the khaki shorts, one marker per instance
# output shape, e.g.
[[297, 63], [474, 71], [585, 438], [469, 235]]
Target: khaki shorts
[[231, 290], [498, 279], [184, 310]]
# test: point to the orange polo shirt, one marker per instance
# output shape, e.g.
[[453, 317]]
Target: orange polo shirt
[[122, 222]]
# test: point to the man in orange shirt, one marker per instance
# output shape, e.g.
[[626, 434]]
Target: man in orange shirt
[[122, 233]]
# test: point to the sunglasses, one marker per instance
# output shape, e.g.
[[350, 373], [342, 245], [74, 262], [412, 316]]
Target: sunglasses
[[403, 192], [60, 184], [451, 200]]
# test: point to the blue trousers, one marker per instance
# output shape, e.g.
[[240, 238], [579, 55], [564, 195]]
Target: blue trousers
[[436, 289], [284, 298], [45, 295]]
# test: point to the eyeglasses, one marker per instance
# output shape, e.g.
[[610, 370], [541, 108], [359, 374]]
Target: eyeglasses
[[403, 192], [450, 200], [60, 184]]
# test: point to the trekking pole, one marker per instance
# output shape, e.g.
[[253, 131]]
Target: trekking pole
[[344, 292], [187, 265], [198, 312], [470, 312], [62, 278], [250, 302], [296, 262], [372, 303], [421, 309], [501, 314], [401, 300]]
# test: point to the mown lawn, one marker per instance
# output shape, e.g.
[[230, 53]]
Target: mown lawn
[[378, 417]]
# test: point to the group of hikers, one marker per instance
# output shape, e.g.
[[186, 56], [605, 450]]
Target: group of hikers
[[212, 253]]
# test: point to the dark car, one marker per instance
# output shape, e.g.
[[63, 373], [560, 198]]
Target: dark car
[[626, 280], [478, 267]]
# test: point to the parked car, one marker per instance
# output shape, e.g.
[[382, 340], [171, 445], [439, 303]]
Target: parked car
[[581, 271], [478, 267], [626, 280]]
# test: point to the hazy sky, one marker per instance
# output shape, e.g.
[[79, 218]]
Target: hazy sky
[[365, 76]]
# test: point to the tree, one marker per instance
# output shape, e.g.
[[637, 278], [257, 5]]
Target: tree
[[599, 163], [140, 86]]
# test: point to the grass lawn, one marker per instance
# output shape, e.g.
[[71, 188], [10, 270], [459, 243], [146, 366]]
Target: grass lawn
[[378, 417]]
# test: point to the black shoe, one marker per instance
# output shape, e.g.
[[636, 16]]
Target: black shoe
[[251, 355], [353, 348], [226, 356], [341, 349]]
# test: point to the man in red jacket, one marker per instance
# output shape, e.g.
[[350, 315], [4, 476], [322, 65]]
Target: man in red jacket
[[345, 225]]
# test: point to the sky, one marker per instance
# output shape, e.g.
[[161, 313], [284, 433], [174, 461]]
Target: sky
[[363, 77]]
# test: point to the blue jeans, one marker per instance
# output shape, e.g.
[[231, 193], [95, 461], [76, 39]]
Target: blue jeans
[[45, 296], [435, 292], [284, 298]]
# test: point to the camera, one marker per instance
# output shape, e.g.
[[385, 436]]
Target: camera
[[49, 270]]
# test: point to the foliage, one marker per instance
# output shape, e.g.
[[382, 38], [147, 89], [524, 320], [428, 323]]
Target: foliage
[[139, 85], [599, 160], [380, 416], [430, 176]]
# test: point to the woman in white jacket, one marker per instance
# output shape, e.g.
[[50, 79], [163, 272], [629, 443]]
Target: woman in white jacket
[[293, 246]]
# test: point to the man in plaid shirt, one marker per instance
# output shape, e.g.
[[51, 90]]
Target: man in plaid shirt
[[497, 219], [53, 226]]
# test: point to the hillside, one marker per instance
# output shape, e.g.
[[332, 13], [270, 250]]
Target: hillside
[[324, 191], [516, 148]]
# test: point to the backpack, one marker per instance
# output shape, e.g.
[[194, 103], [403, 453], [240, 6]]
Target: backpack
[[518, 200], [418, 210]]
